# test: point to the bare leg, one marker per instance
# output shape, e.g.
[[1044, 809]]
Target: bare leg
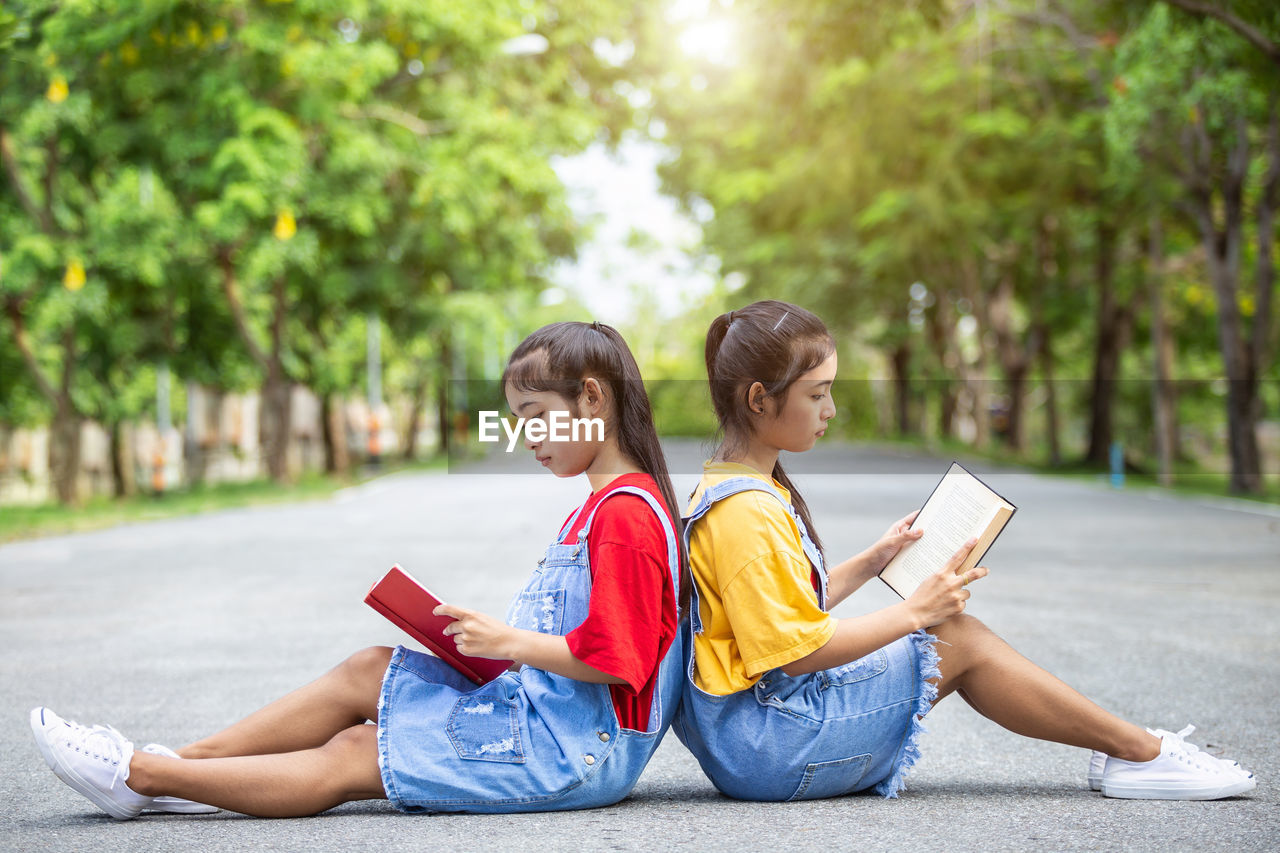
[[291, 784], [1008, 689], [308, 717]]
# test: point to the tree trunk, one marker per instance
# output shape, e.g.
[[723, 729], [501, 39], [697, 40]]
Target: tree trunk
[[1016, 385], [942, 341], [1015, 358], [1164, 400], [417, 401], [901, 360], [125, 484], [1268, 200], [273, 426], [1050, 396], [1051, 259], [976, 374], [1222, 255], [276, 415], [1113, 319], [444, 416], [64, 452], [333, 431], [196, 445], [64, 434]]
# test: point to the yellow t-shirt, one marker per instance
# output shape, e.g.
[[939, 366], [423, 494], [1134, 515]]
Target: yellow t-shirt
[[757, 602]]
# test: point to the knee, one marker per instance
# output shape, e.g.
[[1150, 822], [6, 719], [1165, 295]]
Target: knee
[[962, 629], [352, 741], [352, 758], [367, 664]]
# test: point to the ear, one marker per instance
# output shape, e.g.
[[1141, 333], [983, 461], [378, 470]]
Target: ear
[[592, 396], [756, 398]]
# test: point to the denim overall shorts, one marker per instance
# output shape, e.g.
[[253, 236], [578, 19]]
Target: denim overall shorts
[[821, 734], [529, 740]]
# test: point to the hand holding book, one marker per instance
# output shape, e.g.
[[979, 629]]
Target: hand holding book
[[898, 536], [410, 605], [475, 634], [944, 593], [961, 507]]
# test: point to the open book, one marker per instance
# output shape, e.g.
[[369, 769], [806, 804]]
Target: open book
[[399, 597], [960, 507]]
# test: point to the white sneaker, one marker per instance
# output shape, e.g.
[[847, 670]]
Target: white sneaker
[[1180, 772], [1098, 760], [1097, 764], [93, 761], [174, 805]]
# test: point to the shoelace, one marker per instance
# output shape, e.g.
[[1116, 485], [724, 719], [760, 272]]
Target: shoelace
[[86, 740], [1191, 753], [1221, 763]]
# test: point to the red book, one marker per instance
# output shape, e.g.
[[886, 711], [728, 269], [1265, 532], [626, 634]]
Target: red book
[[409, 604]]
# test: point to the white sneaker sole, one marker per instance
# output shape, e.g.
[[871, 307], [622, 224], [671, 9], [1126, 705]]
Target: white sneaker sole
[[68, 774], [176, 805], [1176, 791]]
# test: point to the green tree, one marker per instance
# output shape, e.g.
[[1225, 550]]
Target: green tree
[[1200, 84]]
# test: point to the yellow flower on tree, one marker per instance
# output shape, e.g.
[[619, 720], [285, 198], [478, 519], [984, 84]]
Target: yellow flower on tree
[[58, 91], [286, 226], [73, 279]]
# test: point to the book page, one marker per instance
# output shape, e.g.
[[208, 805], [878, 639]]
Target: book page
[[960, 508]]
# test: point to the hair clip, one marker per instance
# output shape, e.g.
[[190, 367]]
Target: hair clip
[[779, 323]]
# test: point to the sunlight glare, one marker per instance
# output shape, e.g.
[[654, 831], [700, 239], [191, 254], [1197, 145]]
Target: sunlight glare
[[712, 39]]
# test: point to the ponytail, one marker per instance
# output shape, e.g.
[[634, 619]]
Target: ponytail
[[715, 337]]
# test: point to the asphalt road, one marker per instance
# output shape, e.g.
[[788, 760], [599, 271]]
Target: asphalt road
[[1166, 611]]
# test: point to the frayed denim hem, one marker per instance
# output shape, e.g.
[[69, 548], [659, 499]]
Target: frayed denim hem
[[384, 758], [928, 665]]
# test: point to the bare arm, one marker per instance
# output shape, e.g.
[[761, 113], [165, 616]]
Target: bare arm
[[846, 578], [939, 598]]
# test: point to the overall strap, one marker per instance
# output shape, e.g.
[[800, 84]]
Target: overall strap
[[732, 486], [568, 525], [673, 551]]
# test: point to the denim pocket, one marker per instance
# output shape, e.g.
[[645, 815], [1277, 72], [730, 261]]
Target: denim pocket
[[539, 610], [832, 778], [486, 728], [855, 671]]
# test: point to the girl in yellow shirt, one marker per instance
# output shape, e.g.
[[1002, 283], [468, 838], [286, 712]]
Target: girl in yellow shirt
[[785, 701]]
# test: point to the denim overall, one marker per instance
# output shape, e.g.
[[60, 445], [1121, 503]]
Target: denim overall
[[809, 736], [529, 740]]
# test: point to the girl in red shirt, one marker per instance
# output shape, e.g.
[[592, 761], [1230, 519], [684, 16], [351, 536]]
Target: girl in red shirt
[[593, 635]]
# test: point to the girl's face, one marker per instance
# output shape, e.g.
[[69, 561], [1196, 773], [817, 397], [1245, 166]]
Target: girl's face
[[801, 419], [563, 457]]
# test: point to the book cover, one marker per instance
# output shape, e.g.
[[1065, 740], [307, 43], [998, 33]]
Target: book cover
[[399, 597], [960, 506]]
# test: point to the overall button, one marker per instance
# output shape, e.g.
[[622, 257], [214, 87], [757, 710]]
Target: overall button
[[590, 759], [604, 736]]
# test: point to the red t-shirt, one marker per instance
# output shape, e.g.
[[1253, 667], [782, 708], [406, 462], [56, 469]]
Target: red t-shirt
[[631, 618]]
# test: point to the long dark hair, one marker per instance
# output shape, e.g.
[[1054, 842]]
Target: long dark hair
[[772, 343], [560, 357]]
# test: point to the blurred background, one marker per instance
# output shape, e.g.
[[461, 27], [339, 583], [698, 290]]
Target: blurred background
[[272, 242]]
